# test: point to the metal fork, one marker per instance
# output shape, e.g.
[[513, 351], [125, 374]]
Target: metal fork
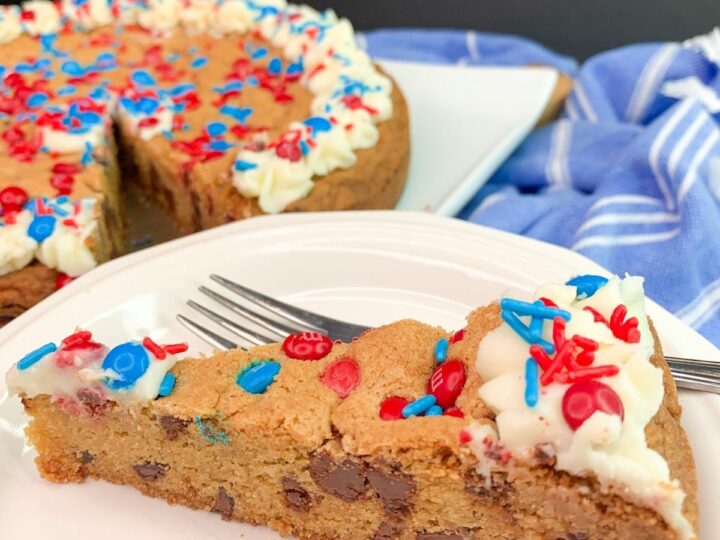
[[277, 319]]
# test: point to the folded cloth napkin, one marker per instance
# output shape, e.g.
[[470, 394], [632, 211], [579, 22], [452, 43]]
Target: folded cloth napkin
[[628, 176]]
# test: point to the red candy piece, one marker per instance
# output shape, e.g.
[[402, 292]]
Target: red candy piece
[[62, 182], [464, 437], [457, 336], [585, 398], [447, 382], [454, 411], [13, 198], [289, 150], [342, 376], [307, 346], [61, 280], [391, 408]]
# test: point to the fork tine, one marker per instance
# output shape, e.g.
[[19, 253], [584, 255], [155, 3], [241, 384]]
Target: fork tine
[[245, 333], [292, 313], [206, 335], [273, 326]]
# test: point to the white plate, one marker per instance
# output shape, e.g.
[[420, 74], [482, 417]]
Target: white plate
[[367, 267], [464, 122]]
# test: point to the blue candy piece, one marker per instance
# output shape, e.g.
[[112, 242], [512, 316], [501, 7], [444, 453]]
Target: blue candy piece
[[259, 54], [199, 62], [240, 114], [435, 410], [318, 124], [242, 166], [533, 310], [275, 66], [128, 104], [587, 284], [100, 93], [532, 391], [89, 118], [215, 129], [167, 385], [41, 228], [256, 377], [37, 99], [295, 68], [419, 406], [72, 68], [129, 361], [147, 105], [441, 349], [221, 146], [142, 78], [34, 357]]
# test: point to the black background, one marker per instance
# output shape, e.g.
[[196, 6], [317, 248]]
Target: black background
[[575, 27]]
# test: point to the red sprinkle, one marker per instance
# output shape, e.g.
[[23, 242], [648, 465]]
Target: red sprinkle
[[457, 336], [342, 376], [562, 358], [157, 351], [176, 348], [464, 437], [585, 398], [548, 302], [307, 346], [61, 280], [454, 411], [391, 408], [587, 373]]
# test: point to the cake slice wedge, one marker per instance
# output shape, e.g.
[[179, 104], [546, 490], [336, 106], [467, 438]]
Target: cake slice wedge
[[552, 418]]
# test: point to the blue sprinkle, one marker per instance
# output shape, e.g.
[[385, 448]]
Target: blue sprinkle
[[192, 50], [72, 68], [167, 385], [587, 285], [536, 324], [221, 146], [41, 228], [419, 406], [199, 62], [257, 376], [229, 87], [24, 67], [62, 199], [242, 166], [252, 80], [441, 350], [47, 42], [35, 356], [240, 114], [275, 66], [106, 58], [87, 158], [129, 361], [179, 107], [181, 89], [128, 104], [435, 410], [533, 310], [531, 382], [142, 78], [295, 68], [66, 90], [42, 63], [37, 99], [174, 57], [210, 434], [318, 124], [147, 105], [304, 148], [90, 117], [523, 331], [215, 129], [259, 54], [59, 210], [99, 94], [167, 134]]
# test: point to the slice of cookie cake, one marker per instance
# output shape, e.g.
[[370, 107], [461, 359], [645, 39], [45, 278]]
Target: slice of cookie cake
[[552, 418]]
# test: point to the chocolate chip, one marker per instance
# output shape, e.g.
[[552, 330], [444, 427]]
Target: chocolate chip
[[497, 489], [394, 487], [151, 471], [93, 401], [387, 531], [296, 497], [444, 535], [224, 504], [173, 426], [86, 457], [345, 480]]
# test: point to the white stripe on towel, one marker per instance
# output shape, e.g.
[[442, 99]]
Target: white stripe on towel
[[625, 240], [649, 80]]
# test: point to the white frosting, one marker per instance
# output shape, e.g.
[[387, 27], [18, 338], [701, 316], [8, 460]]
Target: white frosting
[[232, 16], [47, 18], [10, 24], [163, 115], [332, 151], [276, 183], [64, 142], [90, 15], [65, 250], [708, 44], [85, 371], [199, 16], [614, 451], [160, 15], [17, 249]]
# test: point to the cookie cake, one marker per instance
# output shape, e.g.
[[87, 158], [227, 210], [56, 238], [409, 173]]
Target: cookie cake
[[220, 109], [554, 417]]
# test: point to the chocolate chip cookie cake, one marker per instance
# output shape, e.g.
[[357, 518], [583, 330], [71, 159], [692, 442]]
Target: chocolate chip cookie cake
[[220, 109], [551, 418]]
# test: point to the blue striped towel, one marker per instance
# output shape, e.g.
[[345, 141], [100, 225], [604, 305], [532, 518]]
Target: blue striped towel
[[630, 174]]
